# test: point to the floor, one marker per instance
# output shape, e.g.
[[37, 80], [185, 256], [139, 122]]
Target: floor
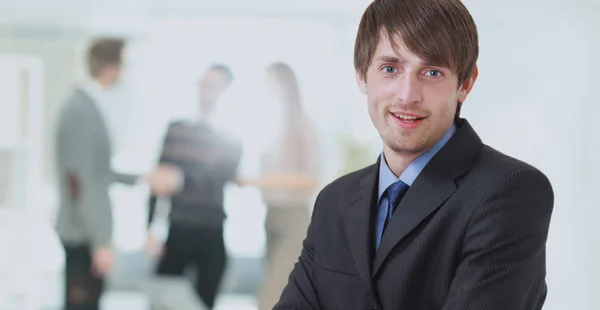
[[137, 301]]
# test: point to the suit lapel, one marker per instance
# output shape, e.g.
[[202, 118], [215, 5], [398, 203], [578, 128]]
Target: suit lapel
[[357, 221], [434, 185], [423, 198]]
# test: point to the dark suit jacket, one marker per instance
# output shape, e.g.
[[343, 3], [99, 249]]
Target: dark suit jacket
[[470, 233]]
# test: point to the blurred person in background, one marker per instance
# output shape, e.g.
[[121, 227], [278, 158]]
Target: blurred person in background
[[208, 159], [440, 220], [289, 177], [83, 153]]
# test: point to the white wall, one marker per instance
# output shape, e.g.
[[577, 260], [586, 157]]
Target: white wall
[[61, 11]]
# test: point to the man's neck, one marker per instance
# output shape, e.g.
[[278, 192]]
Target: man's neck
[[96, 83], [100, 82], [398, 162]]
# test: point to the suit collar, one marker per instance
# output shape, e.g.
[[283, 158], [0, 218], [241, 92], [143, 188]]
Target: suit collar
[[387, 177], [357, 220]]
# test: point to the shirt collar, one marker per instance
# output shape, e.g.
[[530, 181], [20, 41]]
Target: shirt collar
[[93, 89], [410, 174]]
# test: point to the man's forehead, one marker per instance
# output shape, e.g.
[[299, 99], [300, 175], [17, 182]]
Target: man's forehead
[[391, 40], [395, 50]]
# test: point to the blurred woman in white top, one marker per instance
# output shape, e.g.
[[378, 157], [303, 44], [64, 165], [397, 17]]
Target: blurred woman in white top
[[288, 180]]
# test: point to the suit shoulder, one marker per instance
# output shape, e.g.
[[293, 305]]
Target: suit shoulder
[[176, 127], [499, 166], [75, 108], [488, 156], [177, 123], [79, 97], [343, 183]]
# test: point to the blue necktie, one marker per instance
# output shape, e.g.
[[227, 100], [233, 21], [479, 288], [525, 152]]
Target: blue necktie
[[389, 200]]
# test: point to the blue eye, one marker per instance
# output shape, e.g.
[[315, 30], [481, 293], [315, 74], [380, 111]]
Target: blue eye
[[388, 69], [433, 73]]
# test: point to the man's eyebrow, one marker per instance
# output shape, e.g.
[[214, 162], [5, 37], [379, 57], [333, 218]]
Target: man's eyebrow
[[391, 59], [400, 60]]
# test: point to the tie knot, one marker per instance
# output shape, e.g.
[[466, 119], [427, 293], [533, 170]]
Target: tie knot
[[396, 191]]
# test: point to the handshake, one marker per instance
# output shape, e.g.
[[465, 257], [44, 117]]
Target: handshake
[[165, 180]]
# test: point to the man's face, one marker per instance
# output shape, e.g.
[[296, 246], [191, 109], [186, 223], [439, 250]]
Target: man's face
[[212, 86], [111, 75], [411, 103]]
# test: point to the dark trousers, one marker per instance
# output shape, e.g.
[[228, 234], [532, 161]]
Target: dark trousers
[[200, 247], [83, 289]]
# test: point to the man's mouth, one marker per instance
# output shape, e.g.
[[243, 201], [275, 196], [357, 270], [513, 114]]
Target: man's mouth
[[407, 117]]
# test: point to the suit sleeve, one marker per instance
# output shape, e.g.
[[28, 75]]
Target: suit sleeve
[[91, 181], [504, 261], [300, 292]]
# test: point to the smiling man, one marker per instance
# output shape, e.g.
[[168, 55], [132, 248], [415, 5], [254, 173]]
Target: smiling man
[[441, 220]]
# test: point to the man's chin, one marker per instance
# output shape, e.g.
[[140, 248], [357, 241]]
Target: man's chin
[[410, 151], [407, 148]]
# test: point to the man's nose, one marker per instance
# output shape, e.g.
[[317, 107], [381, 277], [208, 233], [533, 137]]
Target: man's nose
[[409, 90]]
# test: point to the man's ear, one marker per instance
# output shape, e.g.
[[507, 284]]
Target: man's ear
[[361, 82], [467, 85]]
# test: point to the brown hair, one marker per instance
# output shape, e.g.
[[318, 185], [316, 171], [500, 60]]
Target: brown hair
[[442, 32], [285, 77], [223, 69], [295, 119], [104, 52]]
